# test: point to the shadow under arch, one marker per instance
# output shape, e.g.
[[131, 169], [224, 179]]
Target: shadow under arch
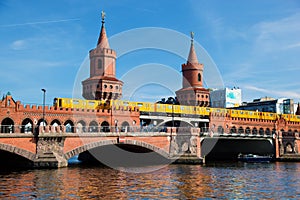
[[17, 151], [90, 146], [175, 123]]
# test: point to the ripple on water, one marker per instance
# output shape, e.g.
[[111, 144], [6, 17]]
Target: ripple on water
[[215, 180]]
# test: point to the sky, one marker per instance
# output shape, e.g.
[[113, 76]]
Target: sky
[[254, 45]]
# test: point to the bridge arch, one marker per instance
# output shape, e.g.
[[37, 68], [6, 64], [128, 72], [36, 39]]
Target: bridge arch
[[233, 130], [69, 124], [93, 126], [40, 122], [241, 130], [18, 151], [247, 130], [93, 145], [268, 132], [55, 122], [220, 129], [105, 127], [27, 125], [124, 126], [80, 126], [261, 131], [7, 125], [254, 131]]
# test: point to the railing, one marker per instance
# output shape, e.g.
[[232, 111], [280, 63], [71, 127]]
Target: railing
[[204, 131]]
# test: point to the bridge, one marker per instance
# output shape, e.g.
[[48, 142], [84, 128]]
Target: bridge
[[50, 136], [53, 147]]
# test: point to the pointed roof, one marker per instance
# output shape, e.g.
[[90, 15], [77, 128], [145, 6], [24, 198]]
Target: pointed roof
[[192, 55], [102, 40]]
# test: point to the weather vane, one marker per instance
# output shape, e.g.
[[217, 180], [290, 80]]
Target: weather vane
[[192, 35], [102, 16]]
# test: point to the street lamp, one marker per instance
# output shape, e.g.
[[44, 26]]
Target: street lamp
[[44, 94]]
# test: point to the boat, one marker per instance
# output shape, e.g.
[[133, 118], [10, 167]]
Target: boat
[[253, 158]]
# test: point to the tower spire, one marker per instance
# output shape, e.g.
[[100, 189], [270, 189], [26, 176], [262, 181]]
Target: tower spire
[[192, 55], [102, 40]]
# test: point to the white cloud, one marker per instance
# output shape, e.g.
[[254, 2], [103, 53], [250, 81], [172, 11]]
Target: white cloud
[[277, 35], [288, 94], [18, 45]]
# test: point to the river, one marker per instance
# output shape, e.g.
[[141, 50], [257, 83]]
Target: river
[[214, 180]]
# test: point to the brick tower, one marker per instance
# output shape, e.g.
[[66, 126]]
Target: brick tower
[[102, 83], [192, 91]]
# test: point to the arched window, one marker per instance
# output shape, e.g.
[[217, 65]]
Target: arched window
[[199, 77]]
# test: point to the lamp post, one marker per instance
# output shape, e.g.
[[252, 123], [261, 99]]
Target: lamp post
[[44, 95]]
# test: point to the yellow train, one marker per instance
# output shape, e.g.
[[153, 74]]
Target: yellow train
[[168, 109]]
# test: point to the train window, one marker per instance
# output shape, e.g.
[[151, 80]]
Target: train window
[[125, 103], [207, 109], [91, 103], [75, 102], [140, 104], [242, 112], [298, 117]]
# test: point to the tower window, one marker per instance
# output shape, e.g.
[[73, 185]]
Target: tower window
[[99, 64], [199, 77]]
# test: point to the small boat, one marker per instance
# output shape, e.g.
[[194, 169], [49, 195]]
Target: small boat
[[254, 158]]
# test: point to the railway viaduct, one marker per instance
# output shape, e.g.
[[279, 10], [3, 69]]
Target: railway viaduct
[[70, 132]]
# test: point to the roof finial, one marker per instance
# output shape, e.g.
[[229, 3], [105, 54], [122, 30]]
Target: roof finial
[[192, 36], [103, 16]]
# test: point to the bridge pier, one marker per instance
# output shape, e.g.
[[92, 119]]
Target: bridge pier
[[49, 152], [184, 146]]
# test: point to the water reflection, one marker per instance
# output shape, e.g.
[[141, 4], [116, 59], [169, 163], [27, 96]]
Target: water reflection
[[216, 180]]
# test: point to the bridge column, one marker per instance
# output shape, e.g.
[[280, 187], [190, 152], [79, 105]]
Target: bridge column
[[49, 152], [184, 146]]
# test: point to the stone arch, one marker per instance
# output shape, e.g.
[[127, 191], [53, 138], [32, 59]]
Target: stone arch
[[93, 126], [55, 122], [18, 151], [40, 122], [27, 126], [89, 146], [254, 131], [261, 131], [268, 131], [125, 126], [233, 129], [247, 131], [7, 125], [69, 126], [241, 130], [105, 127], [80, 126]]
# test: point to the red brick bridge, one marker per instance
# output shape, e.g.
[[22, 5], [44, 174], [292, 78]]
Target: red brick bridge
[[70, 132]]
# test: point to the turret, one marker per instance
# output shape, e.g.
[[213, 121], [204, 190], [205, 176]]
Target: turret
[[192, 91], [102, 84]]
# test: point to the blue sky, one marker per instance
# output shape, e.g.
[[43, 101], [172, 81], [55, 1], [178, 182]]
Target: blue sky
[[254, 44]]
